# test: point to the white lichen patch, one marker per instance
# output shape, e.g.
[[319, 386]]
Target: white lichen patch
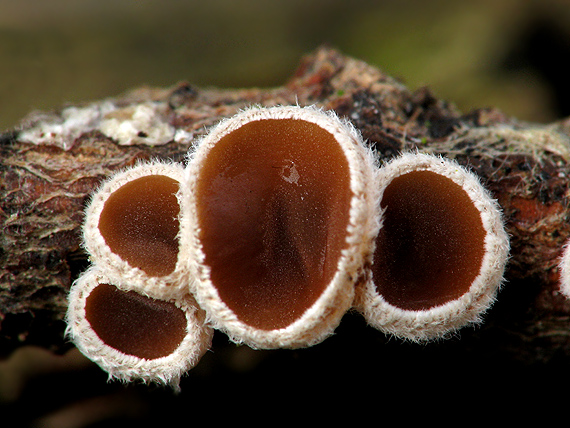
[[62, 130], [138, 124], [144, 123]]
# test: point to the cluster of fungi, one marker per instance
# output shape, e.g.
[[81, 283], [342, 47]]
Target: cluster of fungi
[[280, 222]]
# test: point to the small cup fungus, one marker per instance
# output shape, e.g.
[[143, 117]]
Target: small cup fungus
[[441, 251], [135, 336], [277, 212], [564, 269], [132, 225]]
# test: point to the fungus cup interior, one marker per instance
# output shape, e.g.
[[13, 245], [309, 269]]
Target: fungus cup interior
[[135, 324], [273, 200], [432, 242], [139, 222]]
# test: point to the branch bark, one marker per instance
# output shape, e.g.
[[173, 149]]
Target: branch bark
[[53, 161]]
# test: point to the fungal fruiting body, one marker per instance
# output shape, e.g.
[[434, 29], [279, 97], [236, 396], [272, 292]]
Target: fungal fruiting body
[[277, 214], [131, 312], [564, 269], [135, 336], [280, 223], [440, 254], [132, 225]]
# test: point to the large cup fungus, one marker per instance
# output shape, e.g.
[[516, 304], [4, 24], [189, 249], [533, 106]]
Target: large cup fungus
[[440, 253], [277, 207]]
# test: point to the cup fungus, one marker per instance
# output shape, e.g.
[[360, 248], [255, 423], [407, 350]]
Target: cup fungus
[[135, 336], [132, 226], [564, 269], [280, 222], [440, 254], [277, 212]]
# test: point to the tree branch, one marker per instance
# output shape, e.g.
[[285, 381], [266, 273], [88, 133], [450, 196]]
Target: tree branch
[[52, 162]]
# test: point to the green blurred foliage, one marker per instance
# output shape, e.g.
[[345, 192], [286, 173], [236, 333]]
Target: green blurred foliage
[[68, 51]]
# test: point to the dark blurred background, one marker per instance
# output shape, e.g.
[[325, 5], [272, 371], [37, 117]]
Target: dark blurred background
[[508, 54], [504, 53]]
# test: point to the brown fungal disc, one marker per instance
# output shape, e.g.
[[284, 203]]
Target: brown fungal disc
[[273, 208], [431, 246], [139, 222], [135, 324]]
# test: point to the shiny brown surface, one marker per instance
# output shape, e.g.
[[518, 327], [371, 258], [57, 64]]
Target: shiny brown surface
[[135, 324], [273, 209], [140, 223], [431, 245]]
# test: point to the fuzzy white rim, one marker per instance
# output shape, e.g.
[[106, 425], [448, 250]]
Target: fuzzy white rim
[[440, 321], [564, 267], [169, 286], [165, 370], [321, 319]]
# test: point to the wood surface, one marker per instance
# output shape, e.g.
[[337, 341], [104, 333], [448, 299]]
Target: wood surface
[[45, 181]]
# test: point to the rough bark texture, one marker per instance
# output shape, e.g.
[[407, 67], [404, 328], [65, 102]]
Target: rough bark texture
[[47, 174]]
